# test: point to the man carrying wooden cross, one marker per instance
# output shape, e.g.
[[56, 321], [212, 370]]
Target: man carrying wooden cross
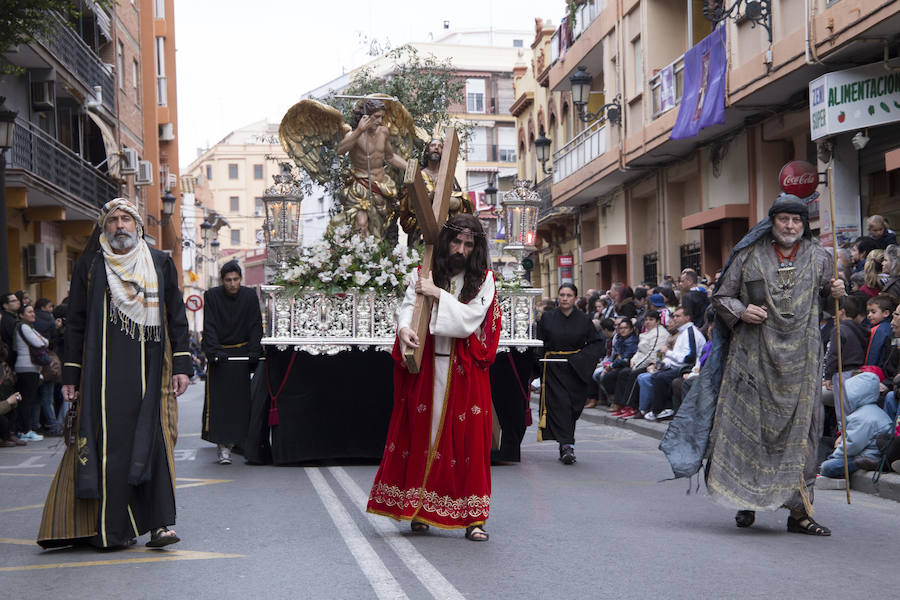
[[436, 465]]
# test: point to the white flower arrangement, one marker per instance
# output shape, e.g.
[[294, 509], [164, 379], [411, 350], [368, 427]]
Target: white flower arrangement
[[341, 261]]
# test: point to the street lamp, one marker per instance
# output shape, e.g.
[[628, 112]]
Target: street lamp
[[7, 132], [542, 151], [168, 205], [757, 12], [581, 95], [490, 193], [520, 210]]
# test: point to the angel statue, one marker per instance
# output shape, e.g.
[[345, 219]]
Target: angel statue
[[382, 134]]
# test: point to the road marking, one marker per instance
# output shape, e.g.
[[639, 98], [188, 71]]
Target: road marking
[[28, 463], [181, 435], [18, 542], [185, 454], [27, 474], [168, 556], [195, 482], [430, 577], [15, 508], [376, 572]]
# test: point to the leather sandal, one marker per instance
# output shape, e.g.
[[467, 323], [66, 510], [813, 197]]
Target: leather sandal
[[162, 536], [745, 518], [476, 533], [418, 526], [806, 525]]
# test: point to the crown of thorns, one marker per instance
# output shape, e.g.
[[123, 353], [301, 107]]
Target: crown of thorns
[[459, 229]]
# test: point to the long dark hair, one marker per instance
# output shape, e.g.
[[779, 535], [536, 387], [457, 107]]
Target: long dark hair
[[475, 265]]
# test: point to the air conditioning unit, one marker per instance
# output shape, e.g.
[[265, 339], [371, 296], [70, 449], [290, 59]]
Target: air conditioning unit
[[43, 94], [166, 132], [41, 261], [144, 174], [129, 161]]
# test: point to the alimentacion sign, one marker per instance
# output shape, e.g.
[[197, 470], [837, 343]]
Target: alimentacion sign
[[854, 99]]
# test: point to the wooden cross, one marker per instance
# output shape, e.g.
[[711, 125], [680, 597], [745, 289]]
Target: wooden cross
[[430, 216]]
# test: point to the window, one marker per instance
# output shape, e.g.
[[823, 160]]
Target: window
[[477, 145], [517, 44], [235, 237], [259, 209], [232, 171], [159, 9], [234, 204], [638, 83], [475, 95], [257, 172], [506, 144], [161, 89], [120, 64], [135, 71], [209, 172]]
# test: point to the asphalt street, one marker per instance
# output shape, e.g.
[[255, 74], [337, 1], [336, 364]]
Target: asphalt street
[[606, 527]]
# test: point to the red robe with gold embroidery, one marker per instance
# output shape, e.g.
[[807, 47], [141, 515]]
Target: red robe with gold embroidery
[[448, 483]]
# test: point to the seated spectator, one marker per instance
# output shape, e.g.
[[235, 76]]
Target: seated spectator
[[878, 313], [658, 303], [651, 343], [890, 266], [865, 421], [877, 226], [682, 385], [854, 339], [607, 329], [657, 387], [890, 368], [860, 250], [625, 306], [625, 346]]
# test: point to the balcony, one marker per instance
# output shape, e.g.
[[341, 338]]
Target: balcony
[[35, 151], [71, 51], [491, 153], [585, 14], [658, 106], [582, 149]]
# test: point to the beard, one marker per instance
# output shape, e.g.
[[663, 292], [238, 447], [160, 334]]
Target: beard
[[457, 263], [123, 240], [785, 239], [434, 156]]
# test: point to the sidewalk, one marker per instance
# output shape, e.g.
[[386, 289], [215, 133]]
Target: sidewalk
[[861, 481]]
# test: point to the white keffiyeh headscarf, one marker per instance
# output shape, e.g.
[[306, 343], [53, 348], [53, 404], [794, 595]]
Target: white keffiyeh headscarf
[[133, 286]]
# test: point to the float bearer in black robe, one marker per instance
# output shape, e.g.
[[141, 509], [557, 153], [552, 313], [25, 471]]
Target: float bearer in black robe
[[571, 339], [232, 329], [126, 359]]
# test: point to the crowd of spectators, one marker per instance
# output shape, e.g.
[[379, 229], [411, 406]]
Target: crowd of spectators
[[657, 337], [31, 404]]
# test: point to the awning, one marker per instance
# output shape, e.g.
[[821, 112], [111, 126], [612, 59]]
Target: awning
[[103, 20], [109, 142]]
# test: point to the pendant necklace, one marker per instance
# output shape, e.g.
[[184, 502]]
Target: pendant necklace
[[785, 279]]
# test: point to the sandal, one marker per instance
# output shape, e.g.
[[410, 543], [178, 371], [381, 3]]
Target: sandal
[[418, 526], [745, 518], [162, 536], [806, 525], [476, 533]]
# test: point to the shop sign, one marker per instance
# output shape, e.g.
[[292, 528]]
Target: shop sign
[[565, 260], [854, 99]]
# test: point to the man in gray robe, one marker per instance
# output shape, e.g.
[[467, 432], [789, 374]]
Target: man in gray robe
[[763, 379]]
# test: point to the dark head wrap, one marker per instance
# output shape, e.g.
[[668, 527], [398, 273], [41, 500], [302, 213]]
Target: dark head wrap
[[788, 203]]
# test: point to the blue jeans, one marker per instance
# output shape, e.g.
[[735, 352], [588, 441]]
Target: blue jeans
[[645, 385], [834, 467], [44, 405], [890, 405]]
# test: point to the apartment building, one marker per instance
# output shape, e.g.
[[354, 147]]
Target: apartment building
[[653, 197], [82, 136]]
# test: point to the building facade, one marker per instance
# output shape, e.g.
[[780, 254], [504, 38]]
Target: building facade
[[82, 137], [649, 204]]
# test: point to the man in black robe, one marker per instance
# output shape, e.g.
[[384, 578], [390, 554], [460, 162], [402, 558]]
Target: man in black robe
[[126, 359], [232, 330], [572, 345]]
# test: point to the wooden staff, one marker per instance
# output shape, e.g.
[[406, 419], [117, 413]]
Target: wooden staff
[[837, 327]]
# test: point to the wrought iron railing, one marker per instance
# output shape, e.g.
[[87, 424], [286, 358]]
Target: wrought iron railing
[[71, 51], [37, 152], [690, 256], [545, 190], [656, 87], [580, 150], [491, 153], [584, 16], [650, 268]]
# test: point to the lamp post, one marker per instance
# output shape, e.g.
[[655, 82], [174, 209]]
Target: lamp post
[[282, 228], [542, 152], [7, 130], [581, 95], [757, 12], [520, 210]]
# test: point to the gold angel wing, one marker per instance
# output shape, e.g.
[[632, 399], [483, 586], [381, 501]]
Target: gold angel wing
[[310, 133]]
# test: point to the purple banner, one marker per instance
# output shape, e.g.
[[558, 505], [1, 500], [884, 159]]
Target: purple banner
[[703, 101]]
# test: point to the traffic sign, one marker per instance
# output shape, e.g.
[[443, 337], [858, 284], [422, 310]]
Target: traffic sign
[[193, 303]]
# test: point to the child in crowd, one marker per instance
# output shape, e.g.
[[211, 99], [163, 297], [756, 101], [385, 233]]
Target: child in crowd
[[878, 312]]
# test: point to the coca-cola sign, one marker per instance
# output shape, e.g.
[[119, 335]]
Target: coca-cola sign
[[799, 178]]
